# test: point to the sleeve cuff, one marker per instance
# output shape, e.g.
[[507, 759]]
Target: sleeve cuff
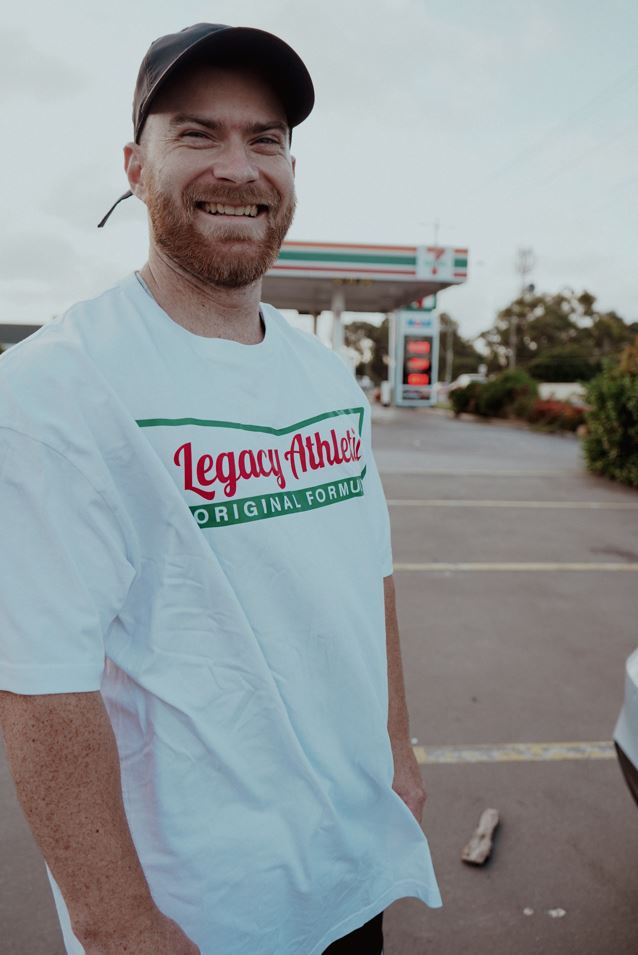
[[35, 680]]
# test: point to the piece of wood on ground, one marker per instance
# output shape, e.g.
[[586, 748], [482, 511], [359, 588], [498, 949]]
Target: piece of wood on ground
[[479, 848]]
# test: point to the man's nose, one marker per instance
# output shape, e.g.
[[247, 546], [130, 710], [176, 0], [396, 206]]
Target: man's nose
[[235, 164]]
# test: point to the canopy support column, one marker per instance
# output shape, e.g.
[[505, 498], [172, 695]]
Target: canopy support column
[[338, 307], [389, 387]]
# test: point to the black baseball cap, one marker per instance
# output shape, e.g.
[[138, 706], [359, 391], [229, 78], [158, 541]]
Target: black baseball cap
[[221, 45]]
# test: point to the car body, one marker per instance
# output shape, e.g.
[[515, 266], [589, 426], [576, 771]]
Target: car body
[[626, 731]]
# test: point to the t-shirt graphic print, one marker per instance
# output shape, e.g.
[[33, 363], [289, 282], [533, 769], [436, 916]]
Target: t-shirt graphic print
[[233, 473]]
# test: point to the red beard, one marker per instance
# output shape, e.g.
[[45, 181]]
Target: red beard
[[232, 259]]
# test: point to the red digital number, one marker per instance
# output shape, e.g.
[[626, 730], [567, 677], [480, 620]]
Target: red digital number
[[418, 348], [418, 364]]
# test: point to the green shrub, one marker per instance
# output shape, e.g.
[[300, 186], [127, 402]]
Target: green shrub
[[464, 399], [611, 443], [509, 395]]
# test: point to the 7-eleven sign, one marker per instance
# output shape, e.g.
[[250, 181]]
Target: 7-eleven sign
[[436, 262]]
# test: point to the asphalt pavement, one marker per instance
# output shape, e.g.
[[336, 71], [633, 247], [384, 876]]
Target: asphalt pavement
[[511, 645], [516, 604]]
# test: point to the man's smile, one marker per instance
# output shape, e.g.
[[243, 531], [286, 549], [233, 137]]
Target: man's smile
[[225, 209]]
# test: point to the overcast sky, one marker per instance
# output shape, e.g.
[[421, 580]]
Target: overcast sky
[[512, 122]]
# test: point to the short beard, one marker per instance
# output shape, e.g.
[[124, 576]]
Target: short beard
[[230, 260]]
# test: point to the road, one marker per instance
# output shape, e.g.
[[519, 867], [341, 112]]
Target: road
[[504, 642]]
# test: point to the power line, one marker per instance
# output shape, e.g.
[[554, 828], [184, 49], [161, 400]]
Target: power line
[[577, 160], [558, 129], [618, 189]]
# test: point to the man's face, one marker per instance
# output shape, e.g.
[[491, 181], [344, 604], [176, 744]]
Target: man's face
[[216, 174]]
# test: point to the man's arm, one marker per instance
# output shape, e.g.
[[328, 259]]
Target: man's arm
[[65, 765], [408, 782]]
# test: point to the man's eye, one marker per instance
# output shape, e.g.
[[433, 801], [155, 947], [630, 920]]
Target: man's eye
[[194, 134]]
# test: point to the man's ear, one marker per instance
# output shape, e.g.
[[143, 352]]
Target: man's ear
[[294, 164], [134, 168]]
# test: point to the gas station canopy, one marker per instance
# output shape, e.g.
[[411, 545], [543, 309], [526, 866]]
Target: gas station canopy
[[312, 277], [309, 276]]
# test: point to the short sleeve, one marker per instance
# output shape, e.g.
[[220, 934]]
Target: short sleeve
[[63, 569], [379, 507]]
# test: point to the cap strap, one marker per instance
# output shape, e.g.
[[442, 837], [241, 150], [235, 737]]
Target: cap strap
[[121, 199]]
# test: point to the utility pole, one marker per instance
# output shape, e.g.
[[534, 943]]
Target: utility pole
[[449, 349], [436, 227], [525, 262], [390, 387]]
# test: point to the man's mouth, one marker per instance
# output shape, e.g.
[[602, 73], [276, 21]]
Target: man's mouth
[[224, 209]]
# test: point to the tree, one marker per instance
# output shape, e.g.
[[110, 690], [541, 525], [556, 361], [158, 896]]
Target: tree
[[628, 363], [371, 341], [565, 329], [565, 363], [465, 357], [607, 335]]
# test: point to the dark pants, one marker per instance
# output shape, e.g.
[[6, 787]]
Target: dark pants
[[367, 940]]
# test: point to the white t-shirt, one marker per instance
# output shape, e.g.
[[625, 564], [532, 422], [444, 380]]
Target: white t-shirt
[[197, 528]]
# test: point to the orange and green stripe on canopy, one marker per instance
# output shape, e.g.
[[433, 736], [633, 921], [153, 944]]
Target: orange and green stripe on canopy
[[371, 260]]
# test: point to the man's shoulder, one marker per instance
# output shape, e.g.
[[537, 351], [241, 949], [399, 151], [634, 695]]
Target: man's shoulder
[[66, 336], [54, 370]]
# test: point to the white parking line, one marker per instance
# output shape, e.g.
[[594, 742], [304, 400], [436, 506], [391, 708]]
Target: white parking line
[[575, 505], [514, 752], [526, 568]]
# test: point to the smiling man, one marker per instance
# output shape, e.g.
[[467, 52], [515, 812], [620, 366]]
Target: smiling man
[[202, 693]]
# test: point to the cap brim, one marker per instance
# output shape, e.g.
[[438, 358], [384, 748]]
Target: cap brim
[[265, 51]]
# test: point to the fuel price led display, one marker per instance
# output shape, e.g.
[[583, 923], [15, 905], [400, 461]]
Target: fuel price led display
[[417, 346], [417, 361], [416, 355]]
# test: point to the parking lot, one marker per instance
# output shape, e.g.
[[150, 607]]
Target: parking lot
[[519, 638], [516, 575]]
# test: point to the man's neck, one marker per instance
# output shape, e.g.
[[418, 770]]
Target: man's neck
[[202, 308]]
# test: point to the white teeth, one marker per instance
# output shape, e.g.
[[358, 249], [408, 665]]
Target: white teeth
[[216, 208]]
